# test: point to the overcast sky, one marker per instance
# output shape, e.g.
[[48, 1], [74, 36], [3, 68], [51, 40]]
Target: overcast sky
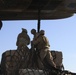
[[61, 34]]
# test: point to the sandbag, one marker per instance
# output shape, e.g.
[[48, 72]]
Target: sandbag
[[57, 58], [31, 72]]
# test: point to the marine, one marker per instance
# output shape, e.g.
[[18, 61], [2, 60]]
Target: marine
[[42, 46]]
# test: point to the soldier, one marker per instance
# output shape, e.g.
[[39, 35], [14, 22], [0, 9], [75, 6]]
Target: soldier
[[23, 39], [33, 31], [41, 44], [33, 49]]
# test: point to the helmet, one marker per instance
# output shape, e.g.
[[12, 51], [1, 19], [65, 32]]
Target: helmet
[[33, 31], [42, 32], [24, 30]]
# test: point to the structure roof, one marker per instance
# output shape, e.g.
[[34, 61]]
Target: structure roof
[[28, 9]]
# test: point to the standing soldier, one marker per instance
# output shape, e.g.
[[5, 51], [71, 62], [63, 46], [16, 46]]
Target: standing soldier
[[23, 39], [41, 44]]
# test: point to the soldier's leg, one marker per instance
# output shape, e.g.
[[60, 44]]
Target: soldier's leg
[[42, 55], [50, 59]]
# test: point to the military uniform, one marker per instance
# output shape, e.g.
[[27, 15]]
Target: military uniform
[[41, 43], [23, 39]]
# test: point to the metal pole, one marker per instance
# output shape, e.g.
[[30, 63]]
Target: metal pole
[[38, 27]]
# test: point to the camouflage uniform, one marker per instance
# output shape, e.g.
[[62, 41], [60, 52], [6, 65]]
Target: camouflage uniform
[[42, 45], [23, 39]]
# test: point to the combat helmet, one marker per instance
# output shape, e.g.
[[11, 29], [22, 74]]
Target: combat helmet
[[24, 30], [33, 31]]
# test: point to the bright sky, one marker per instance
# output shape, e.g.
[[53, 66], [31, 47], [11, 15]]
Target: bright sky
[[61, 34]]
